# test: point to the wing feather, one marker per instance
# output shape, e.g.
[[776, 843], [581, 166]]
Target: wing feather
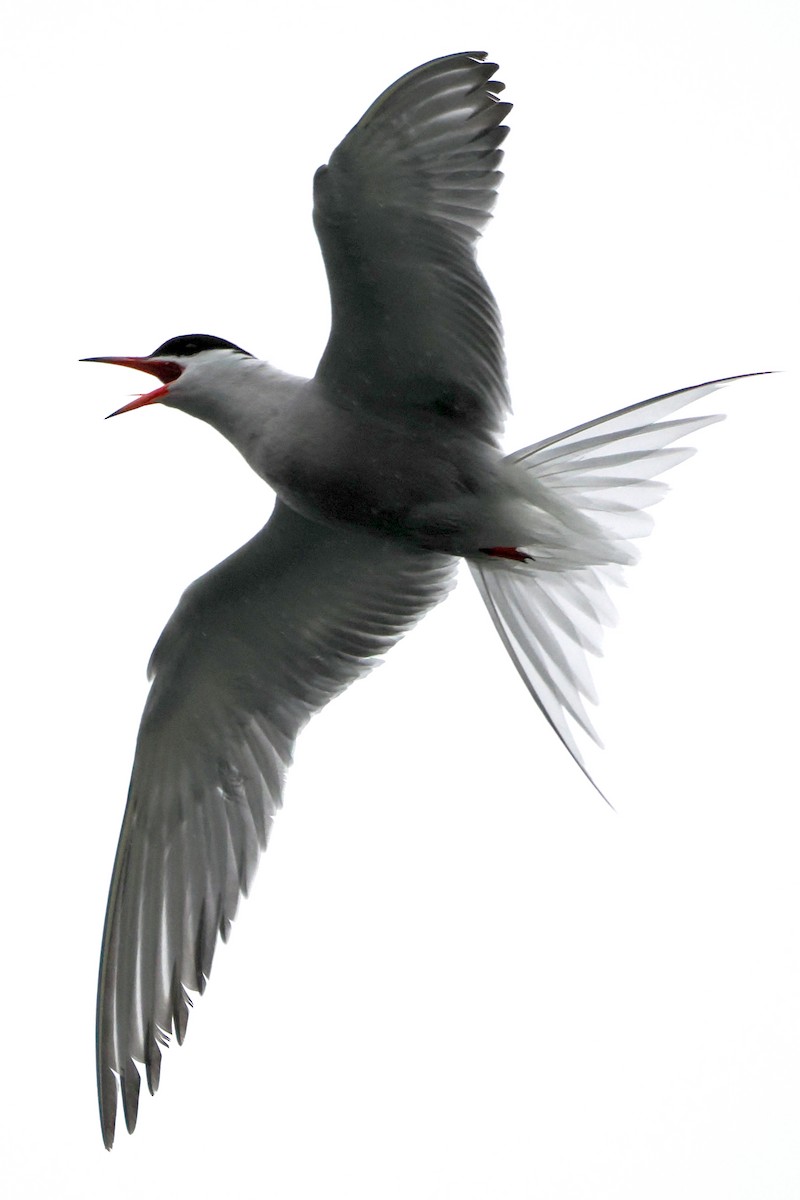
[[398, 211], [253, 649]]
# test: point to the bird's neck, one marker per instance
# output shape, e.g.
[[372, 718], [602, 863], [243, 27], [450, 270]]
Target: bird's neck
[[249, 405]]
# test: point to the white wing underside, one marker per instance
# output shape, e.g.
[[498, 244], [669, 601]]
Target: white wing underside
[[590, 487]]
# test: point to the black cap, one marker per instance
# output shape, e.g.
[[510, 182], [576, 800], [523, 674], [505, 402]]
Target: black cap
[[194, 343]]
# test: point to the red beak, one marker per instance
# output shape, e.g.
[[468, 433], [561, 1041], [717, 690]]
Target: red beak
[[164, 370]]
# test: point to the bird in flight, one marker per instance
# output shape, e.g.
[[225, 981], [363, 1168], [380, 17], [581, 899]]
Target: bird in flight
[[387, 470]]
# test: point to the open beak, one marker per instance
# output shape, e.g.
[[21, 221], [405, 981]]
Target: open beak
[[164, 370]]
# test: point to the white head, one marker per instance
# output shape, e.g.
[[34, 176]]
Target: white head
[[188, 367]]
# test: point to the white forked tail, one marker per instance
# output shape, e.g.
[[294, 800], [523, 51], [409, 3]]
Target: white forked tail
[[589, 488]]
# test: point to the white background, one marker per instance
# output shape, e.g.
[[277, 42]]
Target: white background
[[460, 975]]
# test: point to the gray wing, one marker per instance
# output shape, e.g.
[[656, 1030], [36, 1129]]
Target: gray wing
[[398, 211], [254, 648]]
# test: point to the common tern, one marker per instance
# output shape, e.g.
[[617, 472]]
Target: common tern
[[387, 470]]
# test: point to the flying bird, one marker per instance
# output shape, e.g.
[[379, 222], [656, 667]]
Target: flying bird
[[387, 470]]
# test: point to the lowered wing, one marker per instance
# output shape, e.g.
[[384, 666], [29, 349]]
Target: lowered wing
[[255, 647]]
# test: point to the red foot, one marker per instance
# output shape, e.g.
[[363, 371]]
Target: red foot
[[509, 552]]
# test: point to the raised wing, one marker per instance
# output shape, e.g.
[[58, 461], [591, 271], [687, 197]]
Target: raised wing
[[254, 648], [398, 211]]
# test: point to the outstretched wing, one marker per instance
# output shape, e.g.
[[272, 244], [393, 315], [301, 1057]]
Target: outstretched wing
[[254, 648], [398, 211]]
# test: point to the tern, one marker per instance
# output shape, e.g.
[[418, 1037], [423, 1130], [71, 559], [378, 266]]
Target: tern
[[387, 470]]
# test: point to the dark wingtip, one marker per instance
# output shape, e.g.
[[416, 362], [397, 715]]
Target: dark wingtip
[[152, 1062], [108, 1106], [180, 1007], [130, 1083]]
